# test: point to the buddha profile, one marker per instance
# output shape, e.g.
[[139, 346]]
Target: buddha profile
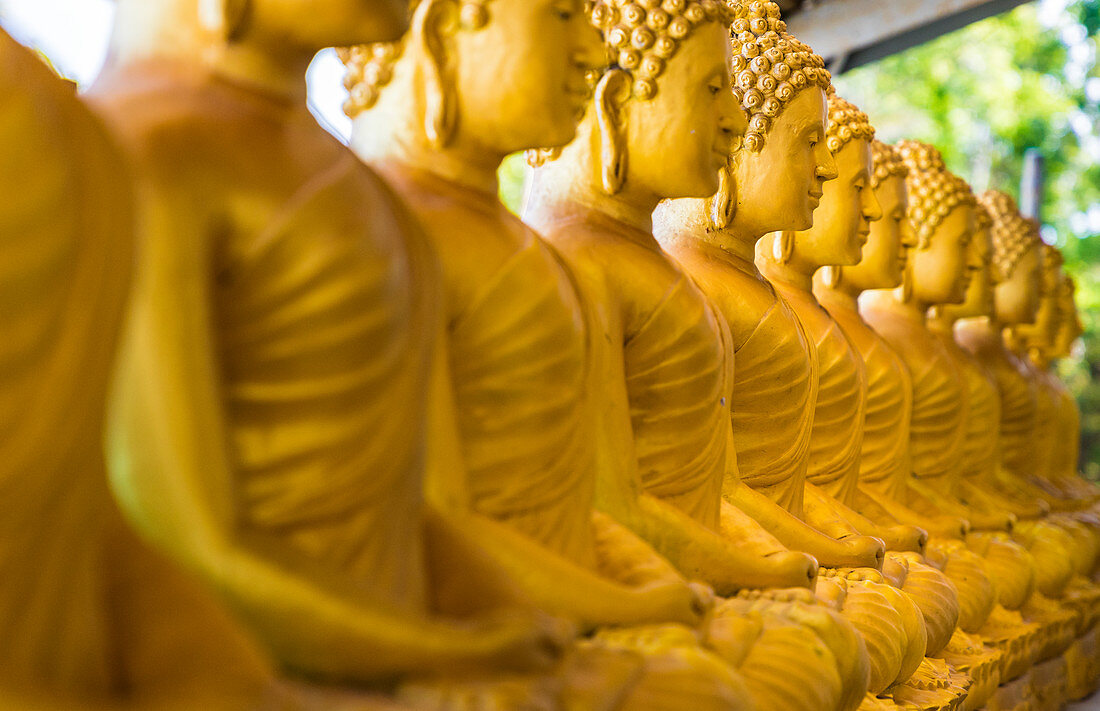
[[789, 260], [660, 125], [268, 420], [652, 313], [91, 616]]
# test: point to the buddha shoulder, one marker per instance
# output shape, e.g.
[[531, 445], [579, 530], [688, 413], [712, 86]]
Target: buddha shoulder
[[744, 297]]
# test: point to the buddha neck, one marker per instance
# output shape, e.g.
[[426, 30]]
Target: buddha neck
[[737, 242], [891, 300], [843, 295], [393, 132], [781, 273], [170, 31], [574, 181], [940, 320], [982, 326]]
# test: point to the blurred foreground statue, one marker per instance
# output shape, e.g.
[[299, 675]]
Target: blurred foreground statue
[[268, 420], [89, 617]]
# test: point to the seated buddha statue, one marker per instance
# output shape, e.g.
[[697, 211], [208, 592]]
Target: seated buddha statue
[[660, 125], [267, 422], [515, 393], [884, 460], [1067, 454], [712, 239], [1015, 273], [91, 617], [789, 260], [979, 456]]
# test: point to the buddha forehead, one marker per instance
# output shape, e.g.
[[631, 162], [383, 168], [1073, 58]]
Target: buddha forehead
[[640, 38], [770, 67]]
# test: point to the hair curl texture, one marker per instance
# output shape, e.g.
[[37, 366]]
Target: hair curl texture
[[886, 163], [640, 36], [369, 67], [1052, 270], [1013, 234], [934, 191], [846, 123], [769, 66]]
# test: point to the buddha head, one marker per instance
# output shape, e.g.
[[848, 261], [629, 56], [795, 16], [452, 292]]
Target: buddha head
[[1040, 336], [775, 175], [941, 208], [483, 77], [661, 119], [848, 206], [1017, 260], [883, 255], [1070, 327], [979, 292], [296, 28]]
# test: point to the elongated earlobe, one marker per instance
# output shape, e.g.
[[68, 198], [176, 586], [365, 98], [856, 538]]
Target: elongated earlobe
[[431, 23], [723, 206], [612, 89], [783, 247], [227, 19]]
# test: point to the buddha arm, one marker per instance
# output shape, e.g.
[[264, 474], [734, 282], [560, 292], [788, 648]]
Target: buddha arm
[[796, 534], [695, 550], [897, 536], [550, 581], [172, 475]]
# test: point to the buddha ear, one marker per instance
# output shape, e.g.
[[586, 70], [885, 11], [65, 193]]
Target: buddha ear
[[723, 206], [432, 22], [905, 291], [783, 246], [611, 92], [227, 19]]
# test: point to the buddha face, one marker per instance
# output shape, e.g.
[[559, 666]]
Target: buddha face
[[306, 25], [1016, 299], [888, 241], [678, 140], [939, 268], [520, 77], [780, 186], [979, 291], [843, 220]]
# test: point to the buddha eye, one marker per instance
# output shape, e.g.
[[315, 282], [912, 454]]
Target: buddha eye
[[564, 10]]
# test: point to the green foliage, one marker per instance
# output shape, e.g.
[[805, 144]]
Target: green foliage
[[986, 94]]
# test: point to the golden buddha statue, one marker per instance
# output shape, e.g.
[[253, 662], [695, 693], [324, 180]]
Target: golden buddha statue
[[660, 125], [1065, 467], [772, 177], [1017, 270], [268, 419], [1059, 605], [789, 260], [91, 618], [516, 399]]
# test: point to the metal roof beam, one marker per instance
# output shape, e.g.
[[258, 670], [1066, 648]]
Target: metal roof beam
[[858, 32]]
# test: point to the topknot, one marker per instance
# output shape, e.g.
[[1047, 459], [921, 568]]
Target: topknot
[[369, 67], [640, 36], [769, 66], [1013, 234], [934, 191], [846, 123], [886, 162]]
